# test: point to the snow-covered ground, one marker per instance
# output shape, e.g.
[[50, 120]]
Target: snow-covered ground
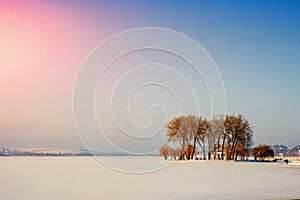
[[64, 178]]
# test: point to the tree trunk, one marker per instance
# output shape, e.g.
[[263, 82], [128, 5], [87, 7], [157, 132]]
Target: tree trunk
[[223, 143], [210, 155], [233, 151], [218, 148], [204, 153], [214, 152], [194, 147], [182, 153]]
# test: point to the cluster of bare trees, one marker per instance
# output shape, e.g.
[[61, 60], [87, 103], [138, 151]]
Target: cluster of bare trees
[[192, 137], [262, 152]]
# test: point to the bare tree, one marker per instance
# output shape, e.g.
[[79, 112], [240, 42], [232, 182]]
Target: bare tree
[[230, 135], [242, 151], [183, 130], [262, 152], [164, 151], [238, 130], [214, 135], [201, 135]]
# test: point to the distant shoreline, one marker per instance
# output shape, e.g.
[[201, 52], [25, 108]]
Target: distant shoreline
[[79, 155], [49, 152]]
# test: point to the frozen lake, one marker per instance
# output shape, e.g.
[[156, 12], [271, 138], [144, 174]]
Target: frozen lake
[[64, 178]]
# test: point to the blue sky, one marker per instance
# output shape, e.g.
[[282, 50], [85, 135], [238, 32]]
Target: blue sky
[[255, 44]]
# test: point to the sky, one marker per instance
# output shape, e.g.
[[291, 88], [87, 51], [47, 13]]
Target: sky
[[254, 44]]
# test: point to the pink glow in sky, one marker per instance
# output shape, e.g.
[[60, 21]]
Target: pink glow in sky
[[42, 46]]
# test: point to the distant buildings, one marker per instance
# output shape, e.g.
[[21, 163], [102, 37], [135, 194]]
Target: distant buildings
[[284, 151], [6, 152]]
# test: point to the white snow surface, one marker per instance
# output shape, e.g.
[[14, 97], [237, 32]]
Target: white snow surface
[[77, 178]]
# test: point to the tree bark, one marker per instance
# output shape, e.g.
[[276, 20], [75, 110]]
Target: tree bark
[[194, 147], [223, 143]]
